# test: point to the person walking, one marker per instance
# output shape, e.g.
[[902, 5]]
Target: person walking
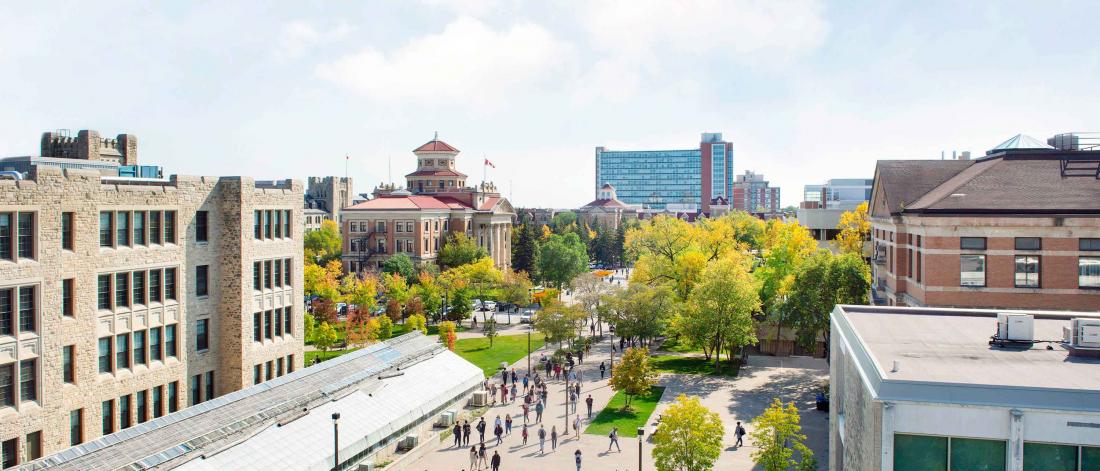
[[577, 425], [498, 431], [538, 412], [524, 434], [573, 400], [466, 433], [504, 376], [526, 411], [473, 458], [588, 402], [739, 432], [526, 379], [514, 376], [514, 391], [603, 369], [481, 430], [578, 387], [614, 436], [554, 438], [577, 457], [508, 424], [503, 394], [481, 458], [542, 439], [495, 463], [458, 434]]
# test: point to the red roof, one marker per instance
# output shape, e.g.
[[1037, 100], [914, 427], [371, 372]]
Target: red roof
[[436, 145], [407, 202], [489, 203], [436, 173], [605, 204]]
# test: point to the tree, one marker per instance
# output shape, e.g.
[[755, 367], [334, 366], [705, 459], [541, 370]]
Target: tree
[[458, 250], [557, 322], [430, 293], [324, 244], [393, 310], [515, 288], [633, 375], [525, 253], [618, 245], [562, 221], [321, 281], [777, 435], [447, 334], [417, 322], [562, 258], [401, 264], [589, 291], [480, 275], [460, 305], [822, 282], [325, 337], [414, 307], [396, 288], [642, 311], [385, 327], [309, 324], [360, 290], [786, 246], [689, 438], [324, 310], [490, 330], [361, 329], [724, 302], [855, 229]]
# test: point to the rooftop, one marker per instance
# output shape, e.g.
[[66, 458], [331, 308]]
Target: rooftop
[[935, 347], [436, 145]]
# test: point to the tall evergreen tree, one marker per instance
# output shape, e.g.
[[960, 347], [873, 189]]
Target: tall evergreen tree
[[618, 245], [526, 251]]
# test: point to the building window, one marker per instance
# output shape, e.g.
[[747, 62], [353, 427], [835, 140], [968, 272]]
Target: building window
[[202, 337], [108, 416], [169, 227], [6, 239], [154, 286], [278, 273], [286, 321], [158, 401], [1029, 243], [278, 367], [380, 226], [209, 385], [139, 287], [170, 341], [257, 225], [105, 355], [142, 406], [124, 412], [122, 228], [139, 228], [286, 272], [1027, 271], [173, 396], [26, 235], [33, 446], [67, 222], [104, 290], [257, 325], [76, 427], [256, 280], [27, 313], [28, 380], [68, 365], [972, 243], [257, 374], [201, 228], [7, 385], [268, 373], [278, 322], [278, 223], [170, 284], [1088, 272], [972, 270], [122, 289], [267, 224], [155, 232], [67, 297], [408, 226], [1048, 456], [139, 347], [381, 246], [122, 351], [106, 226], [9, 453], [200, 280], [1089, 244], [196, 389], [289, 364], [7, 311], [267, 324], [154, 344]]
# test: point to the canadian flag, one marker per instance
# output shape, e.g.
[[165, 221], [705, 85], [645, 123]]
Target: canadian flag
[[487, 162]]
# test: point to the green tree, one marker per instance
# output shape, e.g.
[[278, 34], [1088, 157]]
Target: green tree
[[310, 324], [562, 221], [618, 245], [777, 435], [323, 245], [590, 292], [724, 300], [689, 438], [385, 327], [360, 290], [633, 375], [786, 246], [515, 288], [642, 311], [822, 282], [490, 330], [417, 322], [458, 250], [525, 252], [561, 259], [459, 304], [325, 337], [400, 264], [430, 293], [557, 322]]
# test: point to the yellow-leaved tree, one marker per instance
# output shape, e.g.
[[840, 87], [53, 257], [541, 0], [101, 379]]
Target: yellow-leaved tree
[[855, 229]]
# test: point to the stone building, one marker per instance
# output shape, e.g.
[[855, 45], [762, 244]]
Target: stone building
[[1017, 228], [328, 194], [606, 210], [87, 145], [416, 222], [122, 299]]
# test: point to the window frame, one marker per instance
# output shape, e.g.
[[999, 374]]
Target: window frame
[[963, 243], [1080, 266], [202, 226], [1025, 242], [68, 221], [202, 335], [1016, 271], [985, 271], [202, 281]]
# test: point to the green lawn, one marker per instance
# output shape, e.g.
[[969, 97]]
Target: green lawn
[[506, 348], [627, 422], [695, 364], [310, 356], [674, 345]]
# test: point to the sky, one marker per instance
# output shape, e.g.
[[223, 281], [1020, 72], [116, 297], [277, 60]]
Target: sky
[[806, 90]]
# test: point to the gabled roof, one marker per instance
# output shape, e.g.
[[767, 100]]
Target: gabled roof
[[605, 203], [607, 186], [489, 203], [1020, 141], [436, 145], [904, 181], [389, 202]]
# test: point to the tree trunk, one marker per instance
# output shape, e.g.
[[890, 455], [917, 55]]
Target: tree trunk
[[717, 351]]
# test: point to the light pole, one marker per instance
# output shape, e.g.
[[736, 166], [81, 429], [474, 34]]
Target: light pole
[[335, 440], [528, 349], [567, 402], [641, 432]]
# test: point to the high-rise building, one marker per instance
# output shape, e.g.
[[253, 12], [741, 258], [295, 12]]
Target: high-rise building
[[125, 299], [678, 180], [752, 193]]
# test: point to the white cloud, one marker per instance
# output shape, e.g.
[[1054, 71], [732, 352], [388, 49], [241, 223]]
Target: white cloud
[[465, 64], [464, 7], [299, 36]]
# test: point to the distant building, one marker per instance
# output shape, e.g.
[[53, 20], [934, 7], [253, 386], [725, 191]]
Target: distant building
[[940, 389], [606, 210], [313, 218], [110, 157], [329, 194], [539, 216], [1017, 228], [416, 222], [678, 180], [753, 194], [838, 193]]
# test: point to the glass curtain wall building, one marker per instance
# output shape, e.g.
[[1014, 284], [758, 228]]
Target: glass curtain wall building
[[686, 179]]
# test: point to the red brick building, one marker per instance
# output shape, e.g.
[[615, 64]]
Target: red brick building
[[1018, 228]]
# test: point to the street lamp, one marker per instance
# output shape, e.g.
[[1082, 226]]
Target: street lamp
[[641, 432], [336, 440], [567, 402]]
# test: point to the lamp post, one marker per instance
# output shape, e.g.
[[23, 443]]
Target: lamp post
[[528, 349], [335, 440], [641, 432], [567, 402]]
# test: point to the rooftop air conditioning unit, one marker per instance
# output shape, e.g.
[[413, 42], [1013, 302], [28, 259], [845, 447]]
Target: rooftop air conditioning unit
[[446, 419], [409, 441], [1084, 333], [479, 398], [366, 467], [1015, 327]]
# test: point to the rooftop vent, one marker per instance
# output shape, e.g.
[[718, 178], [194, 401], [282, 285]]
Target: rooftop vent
[[1082, 337], [1014, 329]]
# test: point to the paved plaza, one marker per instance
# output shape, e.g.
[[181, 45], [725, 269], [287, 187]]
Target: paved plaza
[[740, 398]]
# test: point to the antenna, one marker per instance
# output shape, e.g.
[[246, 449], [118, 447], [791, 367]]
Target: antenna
[[389, 168], [436, 136]]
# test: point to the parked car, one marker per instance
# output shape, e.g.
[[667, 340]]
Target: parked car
[[525, 318], [489, 305]]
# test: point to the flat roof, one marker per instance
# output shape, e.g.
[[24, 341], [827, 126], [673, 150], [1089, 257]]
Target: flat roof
[[938, 347]]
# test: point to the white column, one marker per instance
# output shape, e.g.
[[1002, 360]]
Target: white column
[[887, 436], [1016, 440]]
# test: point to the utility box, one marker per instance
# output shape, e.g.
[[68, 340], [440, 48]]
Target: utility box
[[479, 398], [1016, 327]]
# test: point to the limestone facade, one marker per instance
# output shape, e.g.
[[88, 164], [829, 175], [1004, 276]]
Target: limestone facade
[[109, 285]]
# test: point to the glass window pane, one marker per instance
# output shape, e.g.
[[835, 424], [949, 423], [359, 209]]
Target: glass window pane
[[972, 243], [919, 453], [968, 454], [1090, 458], [972, 270], [1048, 457], [1088, 272]]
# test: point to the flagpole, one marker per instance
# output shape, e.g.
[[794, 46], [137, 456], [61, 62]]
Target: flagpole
[[484, 167]]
